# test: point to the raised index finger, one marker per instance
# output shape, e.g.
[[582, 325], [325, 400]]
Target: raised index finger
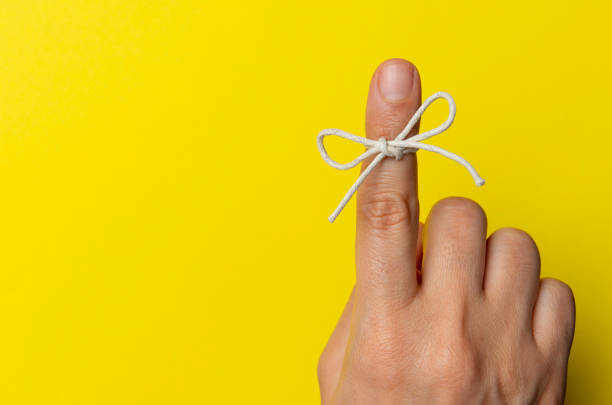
[[387, 202]]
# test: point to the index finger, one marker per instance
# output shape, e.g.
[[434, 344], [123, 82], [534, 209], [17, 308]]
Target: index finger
[[387, 201]]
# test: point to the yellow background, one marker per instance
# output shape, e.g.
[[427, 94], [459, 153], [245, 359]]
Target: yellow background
[[163, 232]]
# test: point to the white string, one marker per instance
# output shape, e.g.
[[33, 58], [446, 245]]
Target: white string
[[396, 148]]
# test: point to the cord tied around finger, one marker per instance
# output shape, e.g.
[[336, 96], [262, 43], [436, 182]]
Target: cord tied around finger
[[396, 148]]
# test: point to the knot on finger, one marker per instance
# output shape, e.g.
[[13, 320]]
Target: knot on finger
[[390, 150]]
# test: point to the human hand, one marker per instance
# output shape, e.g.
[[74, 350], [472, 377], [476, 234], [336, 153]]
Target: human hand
[[443, 315]]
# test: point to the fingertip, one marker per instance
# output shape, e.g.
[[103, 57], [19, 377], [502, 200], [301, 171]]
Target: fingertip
[[395, 94]]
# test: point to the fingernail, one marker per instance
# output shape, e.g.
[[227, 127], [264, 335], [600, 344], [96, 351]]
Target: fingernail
[[395, 81]]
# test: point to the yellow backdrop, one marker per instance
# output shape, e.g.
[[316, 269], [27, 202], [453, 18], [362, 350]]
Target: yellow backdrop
[[163, 232]]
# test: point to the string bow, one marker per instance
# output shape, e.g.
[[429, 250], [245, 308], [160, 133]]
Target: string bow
[[396, 148]]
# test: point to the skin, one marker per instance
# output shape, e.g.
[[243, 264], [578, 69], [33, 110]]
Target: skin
[[440, 314]]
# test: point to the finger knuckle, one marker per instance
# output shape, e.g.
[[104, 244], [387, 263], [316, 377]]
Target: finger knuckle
[[382, 360], [383, 210], [520, 247], [455, 367], [559, 308], [563, 295], [514, 237], [459, 207]]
